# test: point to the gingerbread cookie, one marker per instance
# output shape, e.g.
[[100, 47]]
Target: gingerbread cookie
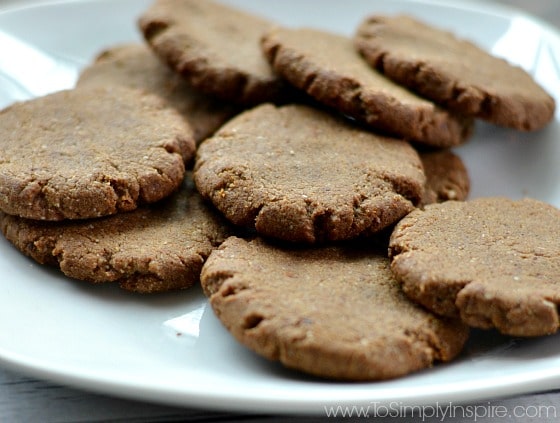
[[157, 247], [327, 67], [215, 47], [89, 153], [494, 262], [301, 174], [136, 66], [453, 72], [446, 177], [334, 312]]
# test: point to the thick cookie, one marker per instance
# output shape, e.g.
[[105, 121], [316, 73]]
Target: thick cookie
[[494, 262], [155, 248], [453, 72], [215, 47], [89, 153], [446, 177], [327, 67], [136, 66], [332, 312], [300, 174]]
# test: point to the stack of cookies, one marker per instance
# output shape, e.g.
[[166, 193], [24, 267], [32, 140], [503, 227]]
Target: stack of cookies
[[96, 179], [306, 179]]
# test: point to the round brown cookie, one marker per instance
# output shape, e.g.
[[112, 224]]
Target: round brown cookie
[[494, 262], [300, 174], [90, 152], [453, 72], [333, 312], [327, 67], [157, 247], [136, 66], [446, 177], [215, 47]]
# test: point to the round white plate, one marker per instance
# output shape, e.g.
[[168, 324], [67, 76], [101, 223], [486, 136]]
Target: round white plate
[[170, 348]]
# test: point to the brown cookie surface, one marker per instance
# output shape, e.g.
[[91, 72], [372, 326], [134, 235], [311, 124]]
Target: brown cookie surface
[[136, 66], [158, 247], [453, 72], [494, 262], [447, 177], [301, 174], [89, 153], [327, 67], [334, 312], [216, 47]]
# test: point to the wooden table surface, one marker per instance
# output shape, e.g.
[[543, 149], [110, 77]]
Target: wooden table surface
[[25, 399]]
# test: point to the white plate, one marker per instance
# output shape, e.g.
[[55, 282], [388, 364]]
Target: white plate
[[170, 348]]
